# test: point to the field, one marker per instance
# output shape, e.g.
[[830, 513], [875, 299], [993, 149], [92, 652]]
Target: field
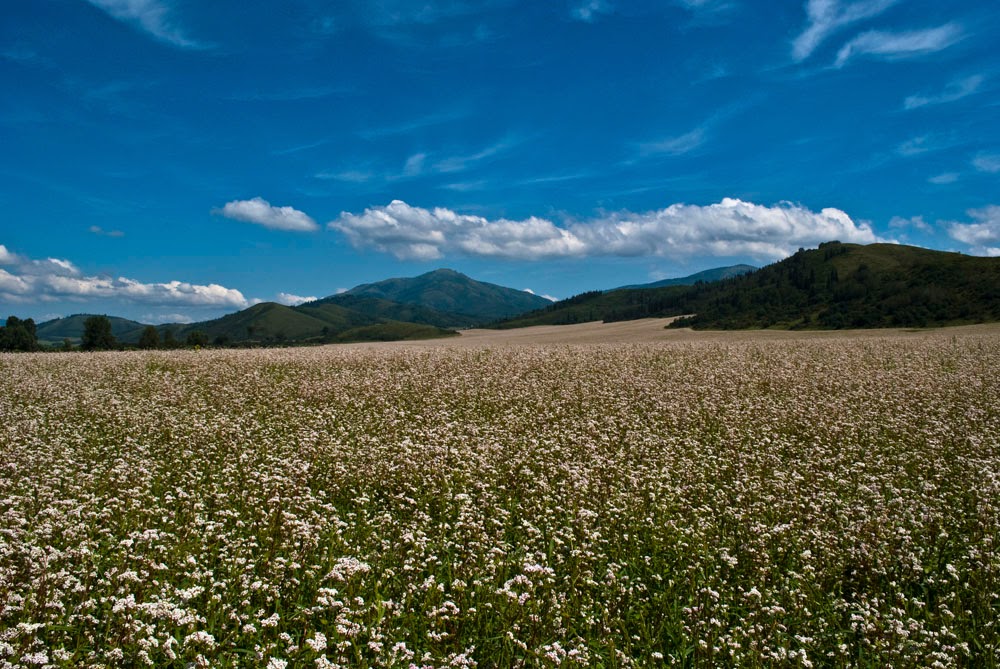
[[578, 497]]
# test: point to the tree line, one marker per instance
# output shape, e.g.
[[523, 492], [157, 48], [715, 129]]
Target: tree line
[[22, 335]]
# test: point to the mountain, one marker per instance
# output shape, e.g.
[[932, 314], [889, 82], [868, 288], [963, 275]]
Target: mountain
[[272, 323], [835, 286], [451, 292], [706, 276], [268, 321], [71, 327], [430, 305], [409, 313]]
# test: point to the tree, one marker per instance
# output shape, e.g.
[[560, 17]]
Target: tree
[[97, 335], [197, 338], [150, 338], [169, 339], [18, 335]]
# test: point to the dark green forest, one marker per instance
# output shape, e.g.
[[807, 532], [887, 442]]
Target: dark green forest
[[835, 286]]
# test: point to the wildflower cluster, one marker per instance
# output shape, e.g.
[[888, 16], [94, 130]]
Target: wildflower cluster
[[771, 503]]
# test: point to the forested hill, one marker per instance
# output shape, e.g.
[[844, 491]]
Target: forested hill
[[706, 276], [835, 286]]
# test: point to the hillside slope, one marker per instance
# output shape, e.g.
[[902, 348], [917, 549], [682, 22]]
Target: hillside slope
[[832, 287], [71, 327], [706, 276], [451, 292], [382, 308]]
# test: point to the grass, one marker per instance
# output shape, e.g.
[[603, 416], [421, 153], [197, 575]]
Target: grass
[[756, 503]]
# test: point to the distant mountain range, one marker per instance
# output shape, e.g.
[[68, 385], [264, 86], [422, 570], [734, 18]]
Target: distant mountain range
[[426, 306], [71, 327], [832, 287], [835, 286], [707, 276]]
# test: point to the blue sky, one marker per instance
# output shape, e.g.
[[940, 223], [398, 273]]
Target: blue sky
[[174, 160]]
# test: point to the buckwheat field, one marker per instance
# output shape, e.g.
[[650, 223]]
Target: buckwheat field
[[814, 502]]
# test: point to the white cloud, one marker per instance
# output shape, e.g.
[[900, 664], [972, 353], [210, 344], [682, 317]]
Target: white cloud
[[349, 176], [151, 16], [915, 146], [53, 278], [101, 232], [945, 178], [414, 164], [827, 17], [463, 162], [983, 235], [987, 162], [955, 90], [261, 212], [421, 164], [166, 318], [675, 146], [13, 287], [893, 46], [589, 10], [6, 257], [727, 229], [547, 297], [917, 222], [293, 300]]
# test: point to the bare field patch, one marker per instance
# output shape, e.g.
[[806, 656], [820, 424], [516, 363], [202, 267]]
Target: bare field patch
[[651, 330], [610, 496]]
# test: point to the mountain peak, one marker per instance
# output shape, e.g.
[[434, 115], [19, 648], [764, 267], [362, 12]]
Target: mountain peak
[[448, 291], [443, 272]]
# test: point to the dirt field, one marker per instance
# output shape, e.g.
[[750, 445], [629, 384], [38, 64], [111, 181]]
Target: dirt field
[[652, 330]]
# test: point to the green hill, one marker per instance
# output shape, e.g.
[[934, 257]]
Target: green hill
[[450, 292], [834, 286], [381, 308], [268, 322], [57, 330], [414, 308]]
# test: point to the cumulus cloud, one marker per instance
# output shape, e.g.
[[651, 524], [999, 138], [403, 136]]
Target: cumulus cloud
[[826, 17], [955, 90], [983, 234], [6, 257], [293, 300], [261, 212], [151, 16], [891, 46], [727, 229], [50, 279]]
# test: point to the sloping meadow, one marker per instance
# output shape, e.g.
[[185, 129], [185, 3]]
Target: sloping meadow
[[774, 503]]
